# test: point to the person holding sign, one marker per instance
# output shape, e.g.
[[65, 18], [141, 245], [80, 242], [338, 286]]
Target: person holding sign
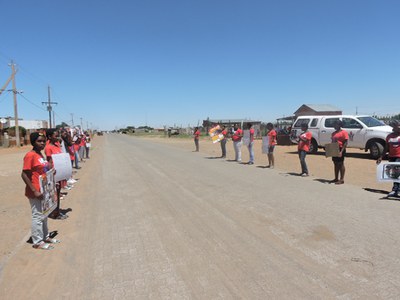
[[34, 166], [196, 136], [251, 143], [341, 137], [271, 145], [237, 142], [303, 147], [393, 147], [53, 147], [223, 141]]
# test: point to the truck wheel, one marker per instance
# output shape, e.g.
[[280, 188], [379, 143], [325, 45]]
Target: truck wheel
[[376, 150], [313, 147]]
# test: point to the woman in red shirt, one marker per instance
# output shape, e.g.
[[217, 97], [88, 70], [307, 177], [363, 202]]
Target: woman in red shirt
[[393, 147], [36, 165], [237, 142], [303, 147], [271, 145], [223, 141], [341, 137], [196, 138]]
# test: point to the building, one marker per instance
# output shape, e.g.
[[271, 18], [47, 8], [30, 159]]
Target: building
[[317, 110], [29, 124]]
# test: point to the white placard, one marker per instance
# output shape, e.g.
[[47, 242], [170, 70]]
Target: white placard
[[246, 137], [388, 172], [63, 166], [265, 144]]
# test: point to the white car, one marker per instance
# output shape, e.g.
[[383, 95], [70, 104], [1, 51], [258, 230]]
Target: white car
[[365, 132]]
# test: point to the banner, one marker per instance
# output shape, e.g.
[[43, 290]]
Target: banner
[[388, 172], [62, 165], [48, 189], [332, 150], [215, 134], [265, 144]]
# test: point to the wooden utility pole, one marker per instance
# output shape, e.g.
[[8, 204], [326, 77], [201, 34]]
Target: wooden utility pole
[[49, 107], [14, 89]]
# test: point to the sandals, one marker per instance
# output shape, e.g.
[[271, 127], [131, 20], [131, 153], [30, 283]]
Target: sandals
[[43, 246], [52, 241]]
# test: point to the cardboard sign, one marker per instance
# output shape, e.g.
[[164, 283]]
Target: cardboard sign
[[265, 144], [215, 134], [332, 150]]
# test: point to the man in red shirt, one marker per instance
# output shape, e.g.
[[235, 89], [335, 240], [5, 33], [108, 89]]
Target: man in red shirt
[[393, 147], [303, 147], [251, 143], [223, 141], [237, 142], [196, 138]]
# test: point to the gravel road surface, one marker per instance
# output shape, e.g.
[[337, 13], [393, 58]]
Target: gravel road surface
[[152, 221]]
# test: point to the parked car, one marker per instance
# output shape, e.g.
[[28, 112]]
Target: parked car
[[365, 132]]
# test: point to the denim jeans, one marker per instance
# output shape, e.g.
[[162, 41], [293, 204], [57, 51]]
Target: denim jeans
[[251, 151], [396, 185], [223, 147], [76, 159], [302, 156]]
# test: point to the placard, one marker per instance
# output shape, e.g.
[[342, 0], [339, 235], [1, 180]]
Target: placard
[[62, 165], [215, 134], [246, 137], [48, 189], [388, 172], [265, 144], [332, 150]]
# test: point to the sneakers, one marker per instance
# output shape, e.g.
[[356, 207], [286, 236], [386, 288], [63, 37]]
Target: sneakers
[[72, 181], [304, 175], [393, 194], [250, 163]]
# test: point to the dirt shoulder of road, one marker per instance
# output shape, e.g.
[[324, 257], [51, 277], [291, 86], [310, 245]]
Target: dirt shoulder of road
[[15, 210]]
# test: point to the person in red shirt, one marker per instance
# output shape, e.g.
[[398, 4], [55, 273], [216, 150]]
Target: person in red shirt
[[393, 147], [251, 143], [237, 142], [53, 147], [271, 145], [341, 137], [196, 136], [223, 141], [34, 166], [303, 147]]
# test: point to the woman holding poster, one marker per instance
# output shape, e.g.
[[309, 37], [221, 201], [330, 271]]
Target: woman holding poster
[[393, 147], [36, 165], [341, 137], [271, 145]]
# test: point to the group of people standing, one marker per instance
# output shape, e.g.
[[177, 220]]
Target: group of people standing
[[36, 164], [339, 136]]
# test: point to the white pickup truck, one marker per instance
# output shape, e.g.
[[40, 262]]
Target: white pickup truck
[[365, 132]]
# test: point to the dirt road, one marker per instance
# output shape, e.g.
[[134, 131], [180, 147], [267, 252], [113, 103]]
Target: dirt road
[[153, 221]]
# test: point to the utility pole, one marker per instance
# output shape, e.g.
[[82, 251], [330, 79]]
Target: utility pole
[[72, 120], [49, 107], [14, 89], [81, 125]]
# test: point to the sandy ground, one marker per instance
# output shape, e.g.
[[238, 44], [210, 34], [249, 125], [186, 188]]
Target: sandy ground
[[158, 246]]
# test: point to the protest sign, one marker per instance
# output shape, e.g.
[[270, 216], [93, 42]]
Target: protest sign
[[246, 137], [48, 189], [62, 165], [215, 134], [332, 150], [265, 144], [388, 172]]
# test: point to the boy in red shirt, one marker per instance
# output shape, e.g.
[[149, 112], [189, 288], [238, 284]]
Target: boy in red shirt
[[303, 147], [393, 147]]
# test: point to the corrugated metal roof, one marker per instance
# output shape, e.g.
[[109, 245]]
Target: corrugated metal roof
[[323, 107]]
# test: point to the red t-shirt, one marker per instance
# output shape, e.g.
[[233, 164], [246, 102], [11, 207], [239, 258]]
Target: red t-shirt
[[272, 137], [51, 149], [197, 135], [237, 135], [340, 137], [251, 135], [224, 133], [393, 140], [305, 145], [38, 165]]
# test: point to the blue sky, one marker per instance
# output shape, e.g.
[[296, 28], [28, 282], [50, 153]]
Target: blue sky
[[158, 62]]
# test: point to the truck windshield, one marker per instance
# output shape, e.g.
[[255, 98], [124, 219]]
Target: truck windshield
[[371, 121]]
